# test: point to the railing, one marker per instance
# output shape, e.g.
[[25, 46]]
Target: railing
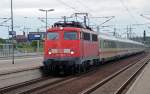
[[7, 51]]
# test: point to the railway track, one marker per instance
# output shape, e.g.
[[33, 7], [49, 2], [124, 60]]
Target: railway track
[[48, 84], [15, 77], [117, 82], [68, 85], [31, 85]]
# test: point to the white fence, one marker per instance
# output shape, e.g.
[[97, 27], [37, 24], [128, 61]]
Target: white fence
[[5, 50]]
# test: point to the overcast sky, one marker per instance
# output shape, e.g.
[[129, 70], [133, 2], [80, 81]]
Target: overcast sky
[[126, 12]]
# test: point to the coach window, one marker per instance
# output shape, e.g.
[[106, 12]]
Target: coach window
[[94, 37], [86, 36], [52, 36], [70, 36], [101, 43], [104, 43]]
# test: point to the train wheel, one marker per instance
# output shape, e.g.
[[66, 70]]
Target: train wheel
[[44, 70], [78, 68], [84, 67], [88, 66], [73, 69]]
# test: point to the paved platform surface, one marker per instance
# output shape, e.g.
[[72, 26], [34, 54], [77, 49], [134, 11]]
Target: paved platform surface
[[20, 55], [142, 83], [6, 66]]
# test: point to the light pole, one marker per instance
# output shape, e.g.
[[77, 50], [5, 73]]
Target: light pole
[[46, 11], [12, 30]]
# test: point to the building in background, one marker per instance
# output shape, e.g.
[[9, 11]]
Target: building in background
[[21, 38]]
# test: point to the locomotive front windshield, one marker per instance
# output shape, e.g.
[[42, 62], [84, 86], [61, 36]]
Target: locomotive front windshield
[[52, 35], [70, 36]]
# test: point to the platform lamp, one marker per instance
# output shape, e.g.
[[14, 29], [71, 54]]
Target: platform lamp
[[46, 11]]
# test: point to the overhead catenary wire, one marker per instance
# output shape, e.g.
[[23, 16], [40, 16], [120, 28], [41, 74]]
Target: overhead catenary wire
[[85, 6], [67, 5], [88, 10], [77, 10], [127, 9], [5, 21], [90, 16], [148, 18]]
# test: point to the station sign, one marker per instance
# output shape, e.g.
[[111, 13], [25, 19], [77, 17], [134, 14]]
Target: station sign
[[12, 33], [34, 36]]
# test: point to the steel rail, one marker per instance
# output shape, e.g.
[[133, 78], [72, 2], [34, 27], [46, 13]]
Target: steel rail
[[27, 87], [131, 78], [101, 83]]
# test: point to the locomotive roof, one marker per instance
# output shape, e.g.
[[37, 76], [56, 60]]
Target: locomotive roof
[[109, 37], [71, 24], [71, 29]]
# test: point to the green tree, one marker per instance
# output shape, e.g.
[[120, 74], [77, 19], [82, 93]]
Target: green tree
[[2, 40], [34, 44]]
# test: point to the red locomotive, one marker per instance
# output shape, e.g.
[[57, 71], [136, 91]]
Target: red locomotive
[[70, 47]]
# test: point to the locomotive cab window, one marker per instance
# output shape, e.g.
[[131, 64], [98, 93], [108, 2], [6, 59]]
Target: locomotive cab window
[[94, 37], [70, 36], [86, 36], [52, 36]]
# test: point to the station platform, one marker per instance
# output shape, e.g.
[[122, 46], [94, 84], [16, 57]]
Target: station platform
[[20, 64], [20, 55], [142, 83]]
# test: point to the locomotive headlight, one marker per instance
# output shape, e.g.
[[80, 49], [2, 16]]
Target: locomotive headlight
[[61, 28], [49, 52], [71, 52]]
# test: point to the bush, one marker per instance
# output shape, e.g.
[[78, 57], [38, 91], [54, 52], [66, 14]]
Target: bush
[[34, 44], [2, 41]]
